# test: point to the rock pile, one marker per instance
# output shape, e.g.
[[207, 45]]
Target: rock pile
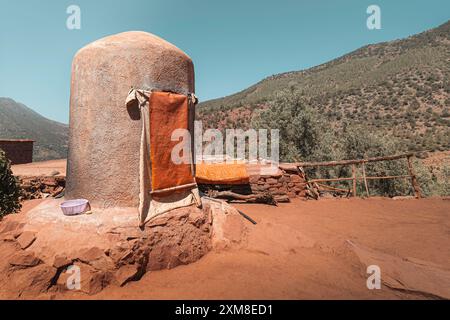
[[283, 185], [39, 187]]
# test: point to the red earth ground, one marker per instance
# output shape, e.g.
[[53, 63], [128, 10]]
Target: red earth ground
[[299, 250], [45, 168]]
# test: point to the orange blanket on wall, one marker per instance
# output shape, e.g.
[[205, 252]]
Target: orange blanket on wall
[[168, 112]]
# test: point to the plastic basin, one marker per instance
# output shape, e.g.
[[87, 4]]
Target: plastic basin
[[75, 207]]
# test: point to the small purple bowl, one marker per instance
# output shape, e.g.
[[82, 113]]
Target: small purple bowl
[[75, 207]]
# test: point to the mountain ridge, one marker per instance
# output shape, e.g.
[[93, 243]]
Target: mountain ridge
[[441, 31], [404, 82], [18, 121]]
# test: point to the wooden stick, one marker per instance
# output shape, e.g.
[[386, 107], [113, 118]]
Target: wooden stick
[[350, 162], [359, 178], [330, 180], [388, 177], [255, 198], [185, 186], [332, 188], [365, 180], [240, 212], [414, 183], [354, 179]]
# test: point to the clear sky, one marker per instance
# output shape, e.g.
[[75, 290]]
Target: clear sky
[[233, 43]]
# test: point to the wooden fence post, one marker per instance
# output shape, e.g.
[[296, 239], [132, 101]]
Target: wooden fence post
[[354, 179], [414, 183], [365, 180], [364, 177]]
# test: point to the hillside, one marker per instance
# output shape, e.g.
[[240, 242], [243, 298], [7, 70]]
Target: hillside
[[400, 87], [17, 121]]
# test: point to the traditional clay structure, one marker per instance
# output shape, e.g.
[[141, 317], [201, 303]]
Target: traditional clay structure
[[104, 166], [18, 151], [103, 161]]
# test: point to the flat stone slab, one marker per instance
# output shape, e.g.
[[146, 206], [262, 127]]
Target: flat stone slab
[[26, 239]]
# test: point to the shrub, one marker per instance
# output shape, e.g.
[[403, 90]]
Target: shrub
[[304, 135], [433, 183], [9, 188]]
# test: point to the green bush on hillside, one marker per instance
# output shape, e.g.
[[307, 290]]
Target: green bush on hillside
[[431, 183], [9, 188], [305, 135]]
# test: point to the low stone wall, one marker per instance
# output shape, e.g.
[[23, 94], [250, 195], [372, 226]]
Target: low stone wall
[[283, 186]]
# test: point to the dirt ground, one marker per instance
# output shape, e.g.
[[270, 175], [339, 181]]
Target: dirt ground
[[300, 251], [43, 168], [46, 168]]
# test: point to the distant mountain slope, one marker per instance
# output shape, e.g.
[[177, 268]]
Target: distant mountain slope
[[401, 86], [17, 121]]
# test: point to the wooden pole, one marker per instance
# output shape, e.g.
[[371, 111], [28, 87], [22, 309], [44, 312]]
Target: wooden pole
[[331, 188], [330, 180], [176, 188], [255, 198], [414, 183], [365, 180], [349, 162], [354, 179], [360, 178]]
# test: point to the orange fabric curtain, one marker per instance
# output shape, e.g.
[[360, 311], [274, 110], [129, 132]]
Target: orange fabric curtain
[[168, 112]]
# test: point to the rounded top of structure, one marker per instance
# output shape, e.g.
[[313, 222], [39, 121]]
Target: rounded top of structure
[[133, 40]]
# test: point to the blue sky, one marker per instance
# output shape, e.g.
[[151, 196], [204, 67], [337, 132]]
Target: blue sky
[[233, 43]]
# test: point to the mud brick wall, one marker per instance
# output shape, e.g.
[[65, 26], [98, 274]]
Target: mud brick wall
[[18, 151], [282, 186]]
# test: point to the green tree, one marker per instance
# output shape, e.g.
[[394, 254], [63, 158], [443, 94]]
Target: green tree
[[303, 133], [9, 188]]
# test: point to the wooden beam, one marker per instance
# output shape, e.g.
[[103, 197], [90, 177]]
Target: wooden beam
[[330, 180], [358, 178], [354, 179], [365, 180], [176, 188], [253, 198], [350, 162], [327, 164], [412, 174], [388, 177], [324, 186]]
